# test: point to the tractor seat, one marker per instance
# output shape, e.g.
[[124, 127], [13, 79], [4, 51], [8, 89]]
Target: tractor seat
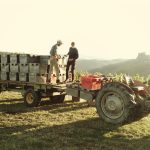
[[138, 88]]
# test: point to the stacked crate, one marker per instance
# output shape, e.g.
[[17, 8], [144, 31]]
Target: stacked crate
[[62, 68], [38, 70], [4, 67], [27, 68], [24, 67], [14, 68]]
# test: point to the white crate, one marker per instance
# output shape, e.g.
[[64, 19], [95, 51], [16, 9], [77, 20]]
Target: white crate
[[14, 58], [23, 77], [4, 58], [3, 75], [13, 76], [43, 69], [24, 58], [14, 68], [23, 68], [37, 78], [37, 68], [5, 67], [62, 77], [44, 59], [62, 61], [34, 68], [62, 70]]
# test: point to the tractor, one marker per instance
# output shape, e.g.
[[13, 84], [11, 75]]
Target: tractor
[[115, 101]]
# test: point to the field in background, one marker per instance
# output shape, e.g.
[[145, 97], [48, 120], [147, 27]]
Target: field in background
[[117, 76], [68, 126]]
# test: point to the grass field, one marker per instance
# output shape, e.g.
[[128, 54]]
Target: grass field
[[68, 126]]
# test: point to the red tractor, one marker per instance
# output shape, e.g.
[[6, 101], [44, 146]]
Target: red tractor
[[115, 100]]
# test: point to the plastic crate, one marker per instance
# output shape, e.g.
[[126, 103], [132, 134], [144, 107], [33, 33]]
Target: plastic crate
[[14, 58], [5, 67], [44, 59], [34, 68], [13, 76], [23, 77], [62, 77], [14, 68], [37, 78], [62, 62], [24, 58], [3, 75], [38, 68], [90, 82], [4, 58], [23, 68]]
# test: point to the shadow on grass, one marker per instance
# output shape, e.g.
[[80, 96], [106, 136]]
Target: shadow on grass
[[88, 134], [11, 100], [17, 106]]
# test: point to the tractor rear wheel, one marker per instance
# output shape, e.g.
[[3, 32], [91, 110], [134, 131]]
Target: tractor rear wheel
[[114, 103]]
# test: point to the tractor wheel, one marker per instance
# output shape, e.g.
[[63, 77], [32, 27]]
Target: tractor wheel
[[114, 103], [31, 98], [57, 99]]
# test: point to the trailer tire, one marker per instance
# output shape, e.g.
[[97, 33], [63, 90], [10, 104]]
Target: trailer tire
[[114, 103], [56, 99], [31, 98]]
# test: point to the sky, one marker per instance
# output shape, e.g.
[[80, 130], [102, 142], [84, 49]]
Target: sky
[[101, 29]]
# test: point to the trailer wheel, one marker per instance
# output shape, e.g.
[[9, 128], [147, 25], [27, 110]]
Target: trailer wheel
[[114, 103], [31, 98], [57, 99]]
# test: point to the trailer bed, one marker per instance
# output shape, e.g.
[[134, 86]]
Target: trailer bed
[[33, 84]]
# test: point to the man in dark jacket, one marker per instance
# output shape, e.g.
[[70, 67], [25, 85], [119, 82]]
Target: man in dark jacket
[[73, 55]]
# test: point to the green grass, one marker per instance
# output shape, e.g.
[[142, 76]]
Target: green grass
[[68, 126]]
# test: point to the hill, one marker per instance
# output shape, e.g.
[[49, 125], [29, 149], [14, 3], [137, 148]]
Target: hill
[[131, 67], [90, 64]]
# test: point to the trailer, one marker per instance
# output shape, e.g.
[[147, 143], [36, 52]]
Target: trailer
[[34, 92], [28, 74]]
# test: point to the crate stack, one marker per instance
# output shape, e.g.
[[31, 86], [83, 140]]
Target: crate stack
[[4, 66], [23, 67], [38, 69], [28, 68], [14, 68], [62, 63]]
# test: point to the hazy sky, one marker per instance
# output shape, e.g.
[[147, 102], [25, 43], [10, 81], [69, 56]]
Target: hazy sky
[[101, 28]]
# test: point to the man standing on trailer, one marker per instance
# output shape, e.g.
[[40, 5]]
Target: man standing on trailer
[[73, 55], [54, 61]]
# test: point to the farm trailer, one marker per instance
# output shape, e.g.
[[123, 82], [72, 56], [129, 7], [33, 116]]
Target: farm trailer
[[28, 74], [34, 92]]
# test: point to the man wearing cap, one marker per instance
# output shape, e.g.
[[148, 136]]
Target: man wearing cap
[[54, 61]]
